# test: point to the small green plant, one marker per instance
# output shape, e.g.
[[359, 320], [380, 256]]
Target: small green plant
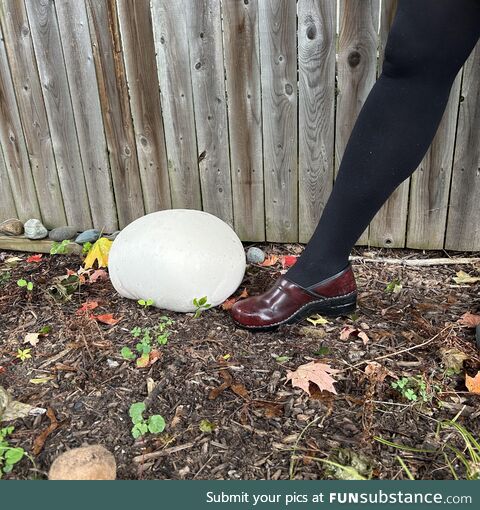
[[25, 283], [394, 286], [5, 277], [59, 248], [413, 389], [9, 455], [200, 304], [23, 354], [145, 303], [86, 248], [154, 424]]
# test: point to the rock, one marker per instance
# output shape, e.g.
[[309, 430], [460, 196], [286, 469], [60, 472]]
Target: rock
[[175, 255], [34, 229], [59, 234], [113, 236], [255, 255], [85, 463], [89, 236], [11, 227]]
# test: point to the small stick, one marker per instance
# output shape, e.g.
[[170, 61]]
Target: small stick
[[418, 262], [161, 453]]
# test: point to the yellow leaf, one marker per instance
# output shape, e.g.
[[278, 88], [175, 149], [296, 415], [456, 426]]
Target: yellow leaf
[[317, 319], [40, 380], [463, 277], [99, 252]]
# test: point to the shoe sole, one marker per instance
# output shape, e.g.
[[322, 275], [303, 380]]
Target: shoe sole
[[329, 310]]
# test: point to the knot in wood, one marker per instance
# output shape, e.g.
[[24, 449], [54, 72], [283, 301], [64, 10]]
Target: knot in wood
[[354, 58]]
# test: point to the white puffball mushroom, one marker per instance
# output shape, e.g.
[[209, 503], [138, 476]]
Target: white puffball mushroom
[[176, 255], [85, 463]]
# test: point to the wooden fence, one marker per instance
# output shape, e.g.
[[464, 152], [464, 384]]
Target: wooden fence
[[111, 109]]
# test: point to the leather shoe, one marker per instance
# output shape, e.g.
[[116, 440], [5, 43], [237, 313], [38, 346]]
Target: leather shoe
[[286, 302]]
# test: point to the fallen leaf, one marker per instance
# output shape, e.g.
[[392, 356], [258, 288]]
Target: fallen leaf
[[147, 360], [87, 306], [473, 383], [228, 380], [32, 339], [288, 260], [12, 409], [99, 253], [12, 261], [349, 330], [40, 380], [453, 359], [106, 318], [317, 319], [469, 319], [39, 441], [99, 274], [35, 258], [240, 390], [376, 372], [228, 303], [317, 373], [463, 277], [270, 260]]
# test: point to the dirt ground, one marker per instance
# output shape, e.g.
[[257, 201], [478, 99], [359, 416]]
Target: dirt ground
[[260, 426]]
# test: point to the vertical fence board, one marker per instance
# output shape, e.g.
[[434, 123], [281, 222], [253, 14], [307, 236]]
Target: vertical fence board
[[242, 66], [463, 225], [139, 52], [7, 204], [117, 119], [209, 101], [357, 64], [316, 103], [18, 44], [170, 33], [77, 50], [13, 145], [56, 95], [279, 111]]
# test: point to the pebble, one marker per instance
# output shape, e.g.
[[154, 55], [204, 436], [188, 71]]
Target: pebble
[[89, 236], [59, 234], [85, 463], [112, 363], [255, 255], [11, 227], [34, 229]]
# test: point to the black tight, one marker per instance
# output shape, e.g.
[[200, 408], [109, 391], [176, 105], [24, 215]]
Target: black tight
[[428, 43]]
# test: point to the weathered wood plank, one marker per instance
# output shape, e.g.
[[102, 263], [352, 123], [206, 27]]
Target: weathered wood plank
[[357, 66], [7, 204], [115, 106], [388, 226], [316, 103], [204, 32], [77, 51], [242, 67], [463, 225], [56, 95], [279, 111], [13, 145], [171, 43], [21, 243], [140, 65], [31, 108]]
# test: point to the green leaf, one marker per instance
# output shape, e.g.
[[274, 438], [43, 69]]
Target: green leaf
[[141, 302], [139, 429], [149, 302], [14, 455], [136, 412], [86, 248], [29, 286], [45, 330], [136, 331], [195, 302], [156, 424], [203, 300], [282, 359], [207, 426], [322, 351], [22, 283], [127, 353]]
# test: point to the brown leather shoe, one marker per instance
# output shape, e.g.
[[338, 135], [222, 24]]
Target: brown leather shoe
[[287, 302]]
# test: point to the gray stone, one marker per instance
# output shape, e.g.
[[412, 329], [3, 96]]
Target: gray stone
[[11, 227], [59, 234], [113, 236], [34, 229], [255, 255], [89, 236]]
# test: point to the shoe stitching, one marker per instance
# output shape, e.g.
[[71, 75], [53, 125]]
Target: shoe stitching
[[290, 316]]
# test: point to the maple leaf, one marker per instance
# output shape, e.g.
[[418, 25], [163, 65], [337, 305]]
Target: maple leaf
[[228, 303], [88, 305], [106, 318], [470, 320], [99, 274], [35, 258], [315, 372], [288, 260], [99, 252], [349, 330], [270, 260], [473, 383]]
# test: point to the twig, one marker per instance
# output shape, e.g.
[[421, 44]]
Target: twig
[[418, 262], [161, 453]]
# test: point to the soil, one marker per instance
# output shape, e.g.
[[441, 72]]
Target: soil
[[231, 382]]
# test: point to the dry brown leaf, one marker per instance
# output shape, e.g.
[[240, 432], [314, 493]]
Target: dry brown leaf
[[470, 320], [228, 303], [473, 383], [315, 372], [270, 261], [39, 441], [349, 330]]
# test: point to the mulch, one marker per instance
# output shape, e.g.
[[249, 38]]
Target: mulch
[[235, 379]]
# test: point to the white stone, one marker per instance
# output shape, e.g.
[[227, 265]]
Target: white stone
[[176, 255]]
